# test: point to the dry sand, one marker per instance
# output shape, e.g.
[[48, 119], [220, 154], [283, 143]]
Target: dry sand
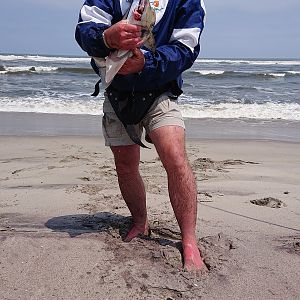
[[62, 219]]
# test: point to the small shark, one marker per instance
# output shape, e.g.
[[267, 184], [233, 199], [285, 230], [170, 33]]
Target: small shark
[[140, 13]]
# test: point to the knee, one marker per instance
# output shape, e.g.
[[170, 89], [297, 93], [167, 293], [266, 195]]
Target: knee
[[126, 168], [177, 164], [126, 160]]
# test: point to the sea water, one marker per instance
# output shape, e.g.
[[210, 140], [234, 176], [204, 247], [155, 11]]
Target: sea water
[[256, 89]]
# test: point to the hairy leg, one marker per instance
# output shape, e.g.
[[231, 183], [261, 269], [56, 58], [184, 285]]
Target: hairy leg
[[170, 145], [132, 187]]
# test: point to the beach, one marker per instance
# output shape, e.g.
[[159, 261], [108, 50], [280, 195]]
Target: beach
[[62, 217]]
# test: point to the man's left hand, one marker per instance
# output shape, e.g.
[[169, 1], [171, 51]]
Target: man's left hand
[[133, 64]]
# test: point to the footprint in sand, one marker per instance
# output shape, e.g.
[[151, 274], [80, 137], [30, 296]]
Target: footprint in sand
[[216, 250], [269, 202], [204, 164], [290, 244]]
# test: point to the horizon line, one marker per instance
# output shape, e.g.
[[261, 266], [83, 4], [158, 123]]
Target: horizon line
[[199, 57]]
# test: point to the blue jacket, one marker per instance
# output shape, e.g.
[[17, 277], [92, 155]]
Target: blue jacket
[[177, 31]]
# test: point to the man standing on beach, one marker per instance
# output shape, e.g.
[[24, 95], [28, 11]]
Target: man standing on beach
[[177, 31]]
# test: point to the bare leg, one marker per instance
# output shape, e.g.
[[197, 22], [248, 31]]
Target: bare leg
[[132, 187], [170, 145]]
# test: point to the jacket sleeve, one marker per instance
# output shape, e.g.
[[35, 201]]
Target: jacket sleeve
[[95, 16], [170, 60]]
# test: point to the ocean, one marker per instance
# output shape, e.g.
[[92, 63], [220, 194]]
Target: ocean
[[256, 89]]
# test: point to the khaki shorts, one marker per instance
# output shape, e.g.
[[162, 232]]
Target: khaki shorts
[[163, 112]]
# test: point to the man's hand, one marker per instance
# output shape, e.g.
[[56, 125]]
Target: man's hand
[[123, 36], [133, 64]]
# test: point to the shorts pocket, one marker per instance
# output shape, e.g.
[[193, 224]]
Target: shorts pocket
[[111, 126], [161, 105]]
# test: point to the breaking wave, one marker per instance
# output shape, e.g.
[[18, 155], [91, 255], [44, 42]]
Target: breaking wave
[[43, 69], [87, 105], [242, 74]]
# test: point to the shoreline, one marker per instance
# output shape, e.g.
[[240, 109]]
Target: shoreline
[[37, 124]]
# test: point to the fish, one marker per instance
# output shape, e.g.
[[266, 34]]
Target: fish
[[140, 13], [144, 16]]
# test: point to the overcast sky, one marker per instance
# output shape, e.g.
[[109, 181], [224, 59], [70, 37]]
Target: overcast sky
[[234, 28]]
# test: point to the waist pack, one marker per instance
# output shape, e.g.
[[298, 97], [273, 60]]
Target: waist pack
[[131, 107]]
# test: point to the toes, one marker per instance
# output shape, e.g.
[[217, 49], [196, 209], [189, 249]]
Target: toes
[[136, 232], [191, 266], [192, 258]]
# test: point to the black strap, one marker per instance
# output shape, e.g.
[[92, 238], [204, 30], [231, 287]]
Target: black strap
[[130, 129], [97, 88]]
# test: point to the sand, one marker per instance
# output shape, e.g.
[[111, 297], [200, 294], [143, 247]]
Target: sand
[[62, 219]]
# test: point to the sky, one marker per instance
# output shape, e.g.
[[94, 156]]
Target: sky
[[234, 28]]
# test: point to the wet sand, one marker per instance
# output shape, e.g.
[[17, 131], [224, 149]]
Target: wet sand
[[62, 220], [36, 124]]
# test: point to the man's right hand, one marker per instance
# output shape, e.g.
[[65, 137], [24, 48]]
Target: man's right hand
[[123, 36]]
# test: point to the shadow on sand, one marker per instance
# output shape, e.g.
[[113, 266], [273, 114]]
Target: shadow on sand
[[79, 224], [109, 223]]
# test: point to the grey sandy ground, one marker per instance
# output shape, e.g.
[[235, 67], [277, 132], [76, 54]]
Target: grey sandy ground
[[62, 218]]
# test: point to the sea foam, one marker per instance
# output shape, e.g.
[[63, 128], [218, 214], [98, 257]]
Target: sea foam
[[92, 106]]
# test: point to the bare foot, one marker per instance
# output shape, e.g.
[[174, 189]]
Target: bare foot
[[192, 258], [137, 230]]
